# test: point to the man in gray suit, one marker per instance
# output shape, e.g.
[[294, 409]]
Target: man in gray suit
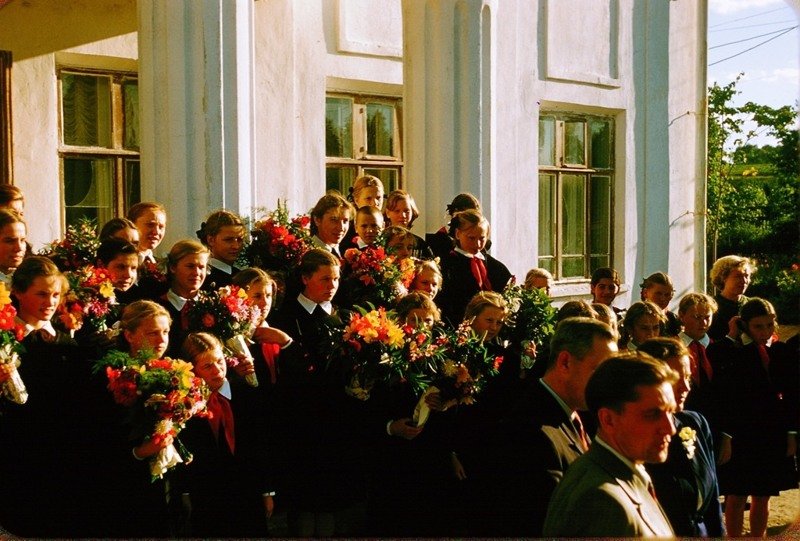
[[544, 433], [607, 492]]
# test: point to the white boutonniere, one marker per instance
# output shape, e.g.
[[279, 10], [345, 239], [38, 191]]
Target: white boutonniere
[[688, 438]]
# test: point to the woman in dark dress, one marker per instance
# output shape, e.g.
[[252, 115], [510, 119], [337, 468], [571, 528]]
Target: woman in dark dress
[[686, 484], [731, 276], [756, 384], [467, 269]]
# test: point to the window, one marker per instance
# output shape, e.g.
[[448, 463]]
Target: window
[[99, 148], [362, 136], [576, 174]]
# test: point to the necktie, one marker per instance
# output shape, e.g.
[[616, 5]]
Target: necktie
[[270, 351], [584, 439], [764, 356], [700, 360], [479, 272], [187, 306], [222, 416], [652, 490], [319, 312]]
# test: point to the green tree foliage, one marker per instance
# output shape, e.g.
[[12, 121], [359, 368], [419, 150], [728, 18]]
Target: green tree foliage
[[753, 206]]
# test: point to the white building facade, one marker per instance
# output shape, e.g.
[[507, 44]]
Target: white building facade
[[579, 124]]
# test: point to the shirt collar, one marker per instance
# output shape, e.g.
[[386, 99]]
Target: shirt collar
[[225, 390], [176, 300], [686, 339], [28, 328], [569, 411], [310, 305], [319, 243], [479, 255], [361, 244], [637, 469], [747, 340], [220, 265], [146, 255]]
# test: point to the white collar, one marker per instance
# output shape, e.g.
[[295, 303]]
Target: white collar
[[319, 243], [310, 305], [28, 328], [146, 255], [361, 244], [225, 389], [220, 265], [479, 255], [176, 300], [686, 339], [637, 469], [747, 340]]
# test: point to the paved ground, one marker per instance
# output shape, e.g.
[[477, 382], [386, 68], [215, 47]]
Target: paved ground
[[784, 516]]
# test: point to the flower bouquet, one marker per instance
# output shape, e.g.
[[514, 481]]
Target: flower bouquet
[[10, 349], [530, 322], [378, 277], [278, 242], [77, 248], [155, 272], [462, 365], [230, 316], [375, 348], [163, 394], [89, 300]]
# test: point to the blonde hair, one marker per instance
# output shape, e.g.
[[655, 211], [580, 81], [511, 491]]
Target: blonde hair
[[431, 265], [696, 299], [138, 311], [182, 248], [253, 275], [401, 195], [483, 300], [362, 182], [197, 343], [416, 300], [537, 273], [215, 222], [137, 210], [723, 267]]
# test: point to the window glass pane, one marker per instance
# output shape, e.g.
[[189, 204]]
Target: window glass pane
[[130, 103], [549, 264], [598, 261], [339, 127], [547, 141], [575, 142], [600, 216], [573, 217], [547, 215], [389, 177], [601, 143], [86, 110], [572, 267], [380, 129], [133, 186], [339, 178], [89, 189]]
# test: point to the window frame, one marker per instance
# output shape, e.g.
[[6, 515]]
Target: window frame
[[362, 162], [561, 168], [120, 155]]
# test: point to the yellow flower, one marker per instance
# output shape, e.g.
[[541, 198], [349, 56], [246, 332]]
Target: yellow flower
[[5, 295], [242, 294], [107, 289]]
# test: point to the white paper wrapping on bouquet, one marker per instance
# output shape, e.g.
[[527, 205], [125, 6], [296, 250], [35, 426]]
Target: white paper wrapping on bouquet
[[166, 458], [14, 389], [238, 344], [422, 411]]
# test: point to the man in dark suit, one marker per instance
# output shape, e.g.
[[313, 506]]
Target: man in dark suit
[[544, 433], [607, 492]]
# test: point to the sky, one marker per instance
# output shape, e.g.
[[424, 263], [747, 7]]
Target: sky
[[772, 68]]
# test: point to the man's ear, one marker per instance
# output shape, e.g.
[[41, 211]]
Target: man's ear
[[606, 419], [563, 360]]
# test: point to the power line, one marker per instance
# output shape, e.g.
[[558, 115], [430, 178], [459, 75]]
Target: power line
[[749, 17], [754, 46], [747, 39], [752, 26]]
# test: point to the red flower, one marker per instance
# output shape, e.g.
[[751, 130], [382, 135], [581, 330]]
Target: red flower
[[208, 320], [497, 362]]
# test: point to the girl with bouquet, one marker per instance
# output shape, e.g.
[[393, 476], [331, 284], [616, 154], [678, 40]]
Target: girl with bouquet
[[48, 442], [427, 277], [366, 191], [223, 234], [120, 259], [467, 269]]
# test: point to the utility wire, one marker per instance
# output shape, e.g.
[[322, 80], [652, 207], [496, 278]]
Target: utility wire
[[754, 46], [748, 17], [748, 39], [752, 26]]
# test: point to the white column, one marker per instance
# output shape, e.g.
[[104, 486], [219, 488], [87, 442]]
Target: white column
[[195, 90]]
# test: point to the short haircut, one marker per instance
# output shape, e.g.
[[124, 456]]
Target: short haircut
[[182, 248], [368, 210], [362, 182], [137, 210], [755, 307], [663, 348], [537, 273], [401, 195], [576, 336], [215, 222], [724, 265], [696, 299], [641, 309], [315, 258], [483, 300], [114, 226], [578, 308], [413, 301], [331, 200], [34, 267], [10, 193], [463, 201], [617, 380], [197, 343], [657, 278], [606, 273], [113, 247]]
